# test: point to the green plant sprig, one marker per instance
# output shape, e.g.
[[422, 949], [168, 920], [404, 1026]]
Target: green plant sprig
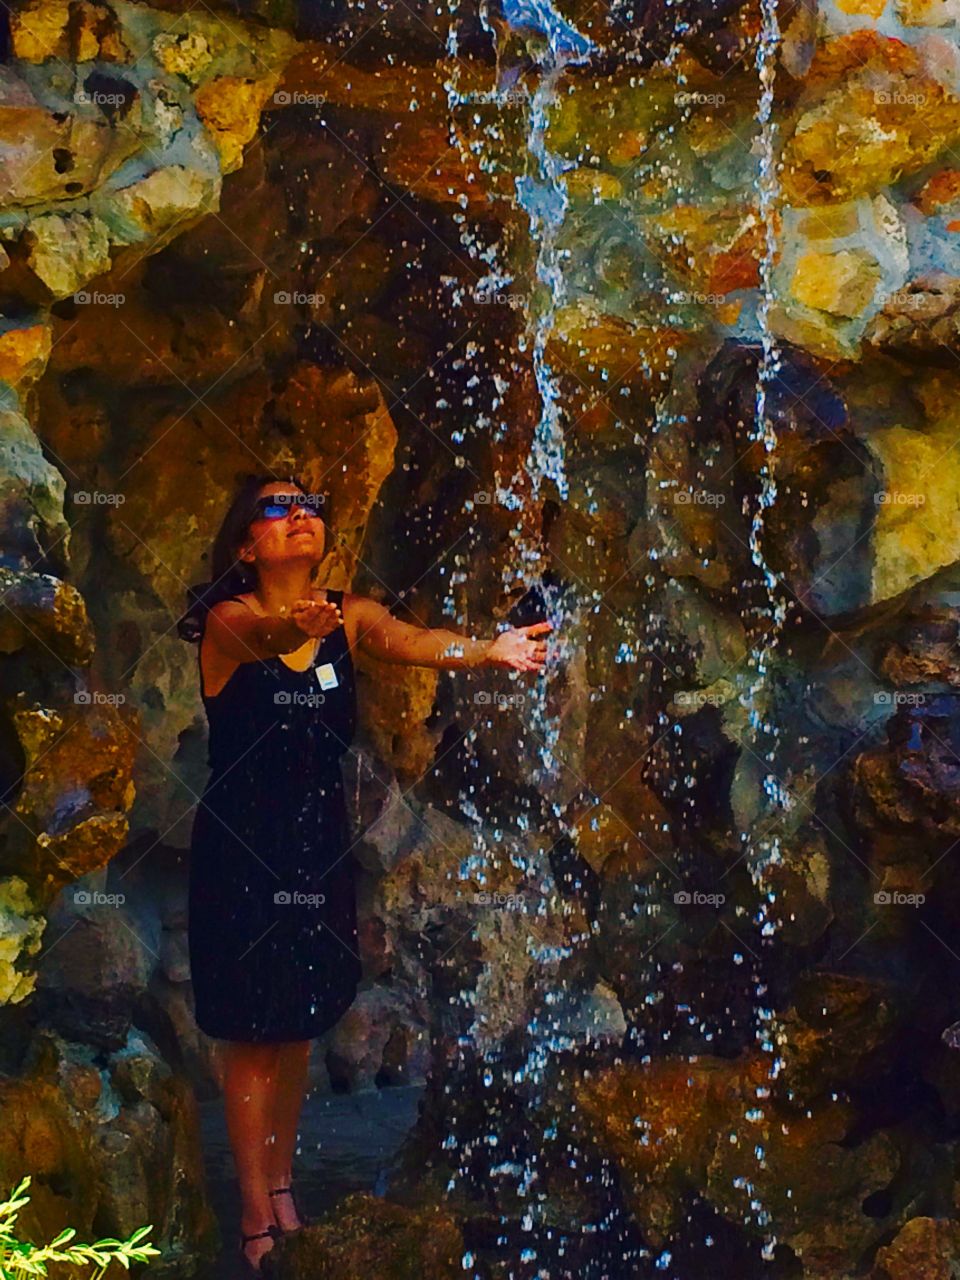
[[22, 1258]]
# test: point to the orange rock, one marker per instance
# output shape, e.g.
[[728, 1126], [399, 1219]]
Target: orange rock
[[940, 190]]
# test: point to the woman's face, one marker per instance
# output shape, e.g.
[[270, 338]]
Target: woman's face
[[299, 535]]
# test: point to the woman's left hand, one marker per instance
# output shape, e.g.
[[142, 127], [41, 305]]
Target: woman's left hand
[[517, 649]]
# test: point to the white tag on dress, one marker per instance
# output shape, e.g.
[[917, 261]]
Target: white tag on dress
[[327, 676]]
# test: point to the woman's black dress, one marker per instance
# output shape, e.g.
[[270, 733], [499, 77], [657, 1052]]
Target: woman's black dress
[[272, 911]]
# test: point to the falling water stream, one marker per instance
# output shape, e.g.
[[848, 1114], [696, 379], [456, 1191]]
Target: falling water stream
[[541, 191]]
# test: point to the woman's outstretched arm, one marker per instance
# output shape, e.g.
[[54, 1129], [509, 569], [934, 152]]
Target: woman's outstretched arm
[[388, 639]]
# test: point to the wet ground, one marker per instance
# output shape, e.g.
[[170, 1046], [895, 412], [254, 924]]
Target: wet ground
[[347, 1143]]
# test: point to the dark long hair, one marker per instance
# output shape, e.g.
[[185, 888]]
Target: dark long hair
[[231, 576]]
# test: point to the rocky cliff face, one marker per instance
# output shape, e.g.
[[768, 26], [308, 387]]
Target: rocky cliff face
[[640, 317]]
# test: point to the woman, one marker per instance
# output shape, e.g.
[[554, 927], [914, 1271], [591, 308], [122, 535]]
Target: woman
[[272, 917]]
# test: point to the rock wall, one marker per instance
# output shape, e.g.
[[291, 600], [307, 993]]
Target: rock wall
[[642, 316]]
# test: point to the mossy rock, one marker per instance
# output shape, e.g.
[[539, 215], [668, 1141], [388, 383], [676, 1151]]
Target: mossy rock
[[368, 1236]]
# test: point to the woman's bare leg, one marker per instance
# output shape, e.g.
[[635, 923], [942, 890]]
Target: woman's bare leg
[[291, 1086], [250, 1073]]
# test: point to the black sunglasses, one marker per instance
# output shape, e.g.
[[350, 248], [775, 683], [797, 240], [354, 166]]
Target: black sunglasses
[[277, 505]]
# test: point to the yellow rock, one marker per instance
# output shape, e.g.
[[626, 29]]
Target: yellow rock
[[928, 13], [185, 54], [831, 222], [165, 200], [606, 352], [917, 530], [39, 30], [587, 183], [21, 932], [865, 8], [842, 283], [68, 30], [230, 107], [601, 832], [67, 250], [881, 117]]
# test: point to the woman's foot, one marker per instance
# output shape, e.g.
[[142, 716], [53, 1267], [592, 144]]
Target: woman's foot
[[285, 1209], [255, 1241]]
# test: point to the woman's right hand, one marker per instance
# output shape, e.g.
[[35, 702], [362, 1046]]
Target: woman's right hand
[[316, 617]]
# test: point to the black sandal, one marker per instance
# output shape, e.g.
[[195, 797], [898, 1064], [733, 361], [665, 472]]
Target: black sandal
[[304, 1220], [274, 1232]]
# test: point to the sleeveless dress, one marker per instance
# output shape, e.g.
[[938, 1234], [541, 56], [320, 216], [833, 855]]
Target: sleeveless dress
[[272, 928]]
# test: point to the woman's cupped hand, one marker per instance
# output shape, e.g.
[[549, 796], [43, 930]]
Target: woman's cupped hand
[[316, 617]]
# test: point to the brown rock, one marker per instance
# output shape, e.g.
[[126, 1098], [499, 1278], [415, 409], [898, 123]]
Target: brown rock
[[668, 1126], [926, 649], [77, 788], [46, 610], [833, 1030], [924, 1249], [367, 1235]]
